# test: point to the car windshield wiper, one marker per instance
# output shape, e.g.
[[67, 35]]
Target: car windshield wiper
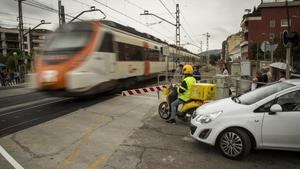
[[236, 99]]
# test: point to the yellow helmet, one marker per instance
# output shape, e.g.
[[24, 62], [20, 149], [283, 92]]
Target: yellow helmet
[[187, 69]]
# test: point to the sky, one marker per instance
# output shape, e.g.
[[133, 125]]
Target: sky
[[220, 18]]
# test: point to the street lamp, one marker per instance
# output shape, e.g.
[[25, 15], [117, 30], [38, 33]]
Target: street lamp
[[42, 23]]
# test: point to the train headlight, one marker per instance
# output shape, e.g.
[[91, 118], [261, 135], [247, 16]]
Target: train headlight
[[49, 76]]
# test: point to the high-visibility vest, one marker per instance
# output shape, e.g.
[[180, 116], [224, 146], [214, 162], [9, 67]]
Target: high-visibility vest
[[186, 96]]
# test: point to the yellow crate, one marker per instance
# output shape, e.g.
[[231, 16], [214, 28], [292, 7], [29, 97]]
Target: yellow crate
[[203, 91]]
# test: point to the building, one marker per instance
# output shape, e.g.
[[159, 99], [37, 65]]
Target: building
[[266, 23], [231, 47], [33, 42], [9, 38], [38, 38]]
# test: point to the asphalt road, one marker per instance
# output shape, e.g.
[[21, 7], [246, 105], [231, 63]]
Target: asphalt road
[[111, 133], [22, 111], [159, 145]]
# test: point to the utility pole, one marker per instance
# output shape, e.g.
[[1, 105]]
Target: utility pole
[[289, 47], [61, 13], [207, 40], [177, 31], [21, 37], [20, 18], [201, 46], [177, 25]]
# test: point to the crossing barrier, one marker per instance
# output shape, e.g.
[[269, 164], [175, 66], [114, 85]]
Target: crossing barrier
[[144, 90]]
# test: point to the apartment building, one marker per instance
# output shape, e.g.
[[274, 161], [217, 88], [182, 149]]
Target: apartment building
[[33, 42], [266, 23]]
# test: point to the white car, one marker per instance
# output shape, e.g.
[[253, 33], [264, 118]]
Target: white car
[[266, 118]]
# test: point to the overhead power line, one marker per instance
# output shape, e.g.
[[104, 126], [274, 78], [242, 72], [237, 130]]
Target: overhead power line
[[14, 15], [44, 7], [181, 24], [131, 18], [88, 5], [167, 9], [133, 4], [175, 18]]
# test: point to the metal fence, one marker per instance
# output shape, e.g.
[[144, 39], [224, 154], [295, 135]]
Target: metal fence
[[226, 85]]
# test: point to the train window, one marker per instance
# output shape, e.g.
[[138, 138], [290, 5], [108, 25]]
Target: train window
[[162, 58], [107, 43], [128, 52], [152, 55]]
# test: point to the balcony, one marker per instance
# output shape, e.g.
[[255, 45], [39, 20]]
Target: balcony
[[12, 39], [38, 40]]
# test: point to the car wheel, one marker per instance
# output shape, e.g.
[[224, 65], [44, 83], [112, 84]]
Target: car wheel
[[234, 143], [163, 110]]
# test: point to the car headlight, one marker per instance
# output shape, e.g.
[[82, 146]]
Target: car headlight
[[207, 118]]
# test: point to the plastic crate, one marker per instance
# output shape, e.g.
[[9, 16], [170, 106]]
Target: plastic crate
[[203, 91]]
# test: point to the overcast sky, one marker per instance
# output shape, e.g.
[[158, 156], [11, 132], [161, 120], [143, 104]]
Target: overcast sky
[[218, 17]]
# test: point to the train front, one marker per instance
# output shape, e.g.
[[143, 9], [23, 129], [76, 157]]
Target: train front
[[66, 50]]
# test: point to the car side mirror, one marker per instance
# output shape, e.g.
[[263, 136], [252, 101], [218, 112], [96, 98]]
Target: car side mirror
[[275, 108]]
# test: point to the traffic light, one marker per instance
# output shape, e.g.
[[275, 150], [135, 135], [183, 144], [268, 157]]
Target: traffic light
[[290, 38]]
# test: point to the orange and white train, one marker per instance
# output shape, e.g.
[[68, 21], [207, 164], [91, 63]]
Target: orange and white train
[[91, 57]]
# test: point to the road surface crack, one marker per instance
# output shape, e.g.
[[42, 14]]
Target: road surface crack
[[138, 165], [25, 148], [154, 148], [147, 127]]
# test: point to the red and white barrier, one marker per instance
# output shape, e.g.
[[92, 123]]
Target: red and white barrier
[[144, 90]]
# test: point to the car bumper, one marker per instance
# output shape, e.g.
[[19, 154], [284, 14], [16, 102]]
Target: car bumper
[[203, 132]]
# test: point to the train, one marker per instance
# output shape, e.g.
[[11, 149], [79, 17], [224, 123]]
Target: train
[[88, 57]]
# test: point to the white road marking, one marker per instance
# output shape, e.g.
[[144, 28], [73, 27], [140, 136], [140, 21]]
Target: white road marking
[[9, 158], [143, 96], [16, 125], [27, 104], [35, 106]]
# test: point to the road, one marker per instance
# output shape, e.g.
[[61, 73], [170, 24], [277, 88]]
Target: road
[[22, 111], [110, 132]]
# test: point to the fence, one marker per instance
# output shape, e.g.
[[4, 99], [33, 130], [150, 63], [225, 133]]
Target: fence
[[226, 85]]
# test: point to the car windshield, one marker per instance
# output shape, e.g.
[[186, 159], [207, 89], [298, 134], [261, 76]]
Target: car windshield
[[67, 41], [261, 93]]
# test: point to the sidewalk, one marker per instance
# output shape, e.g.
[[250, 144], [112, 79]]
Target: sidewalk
[[20, 85], [19, 89]]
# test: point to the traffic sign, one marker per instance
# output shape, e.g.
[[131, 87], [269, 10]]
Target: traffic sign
[[285, 39]]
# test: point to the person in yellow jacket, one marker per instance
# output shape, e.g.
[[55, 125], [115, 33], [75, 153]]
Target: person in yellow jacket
[[184, 91]]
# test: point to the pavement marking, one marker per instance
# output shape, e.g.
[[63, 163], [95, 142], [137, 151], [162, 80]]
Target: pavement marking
[[146, 97], [9, 158], [74, 153], [102, 158], [27, 104], [16, 111]]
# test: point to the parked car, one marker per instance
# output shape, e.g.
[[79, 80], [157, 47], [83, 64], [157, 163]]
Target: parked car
[[266, 118]]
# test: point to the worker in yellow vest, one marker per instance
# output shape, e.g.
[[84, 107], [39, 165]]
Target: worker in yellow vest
[[184, 91]]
